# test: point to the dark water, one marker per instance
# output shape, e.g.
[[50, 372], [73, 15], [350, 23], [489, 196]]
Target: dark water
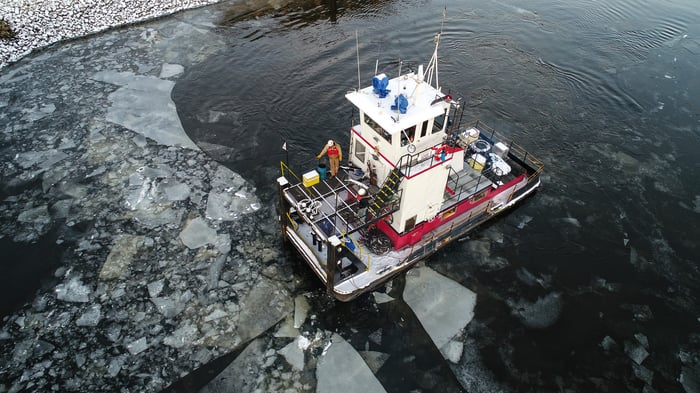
[[604, 92]]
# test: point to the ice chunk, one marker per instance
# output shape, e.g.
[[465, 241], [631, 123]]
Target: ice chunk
[[171, 307], [171, 70], [226, 206], [341, 369], [524, 222], [375, 360], [154, 288], [544, 312], [242, 374], [287, 328], [381, 297], [73, 291], [635, 351], [222, 243], [143, 104], [640, 312], [137, 346], [113, 332], [443, 306], [642, 339], [643, 373], [228, 199], [376, 337], [91, 316], [115, 365], [571, 221], [214, 315], [293, 354], [197, 234], [690, 378], [453, 351], [266, 295], [43, 159], [215, 271], [120, 257], [301, 310], [182, 336], [22, 351], [38, 216], [607, 343], [41, 348], [176, 191]]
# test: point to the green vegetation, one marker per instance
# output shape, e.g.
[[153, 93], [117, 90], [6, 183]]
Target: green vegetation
[[6, 31]]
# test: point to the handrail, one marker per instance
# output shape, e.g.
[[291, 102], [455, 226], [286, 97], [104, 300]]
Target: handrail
[[283, 166], [409, 161], [294, 224], [515, 149]]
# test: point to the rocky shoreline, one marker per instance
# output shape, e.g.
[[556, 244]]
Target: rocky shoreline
[[40, 23]]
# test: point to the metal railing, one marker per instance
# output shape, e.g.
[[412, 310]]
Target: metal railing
[[516, 151]]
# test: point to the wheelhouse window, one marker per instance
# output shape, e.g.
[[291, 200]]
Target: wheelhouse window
[[360, 150], [379, 130], [424, 129], [408, 135], [438, 123]]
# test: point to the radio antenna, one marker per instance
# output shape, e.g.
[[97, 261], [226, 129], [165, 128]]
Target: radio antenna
[[357, 46]]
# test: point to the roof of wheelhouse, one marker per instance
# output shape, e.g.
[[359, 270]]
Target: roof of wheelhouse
[[420, 95]]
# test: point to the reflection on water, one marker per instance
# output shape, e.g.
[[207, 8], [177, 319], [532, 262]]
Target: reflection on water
[[602, 91]]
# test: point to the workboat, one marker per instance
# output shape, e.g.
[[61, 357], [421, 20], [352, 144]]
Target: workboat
[[417, 177]]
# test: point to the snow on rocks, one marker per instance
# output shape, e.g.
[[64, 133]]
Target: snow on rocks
[[38, 23]]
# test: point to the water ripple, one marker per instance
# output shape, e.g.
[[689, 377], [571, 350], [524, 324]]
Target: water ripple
[[593, 84]]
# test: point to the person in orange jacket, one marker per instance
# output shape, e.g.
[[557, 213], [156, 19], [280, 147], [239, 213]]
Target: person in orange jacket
[[335, 155]]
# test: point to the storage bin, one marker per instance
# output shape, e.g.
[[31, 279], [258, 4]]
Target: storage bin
[[477, 161], [310, 178]]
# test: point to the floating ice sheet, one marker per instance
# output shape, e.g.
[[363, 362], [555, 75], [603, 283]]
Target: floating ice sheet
[[143, 104], [443, 306], [293, 354], [341, 369], [197, 234]]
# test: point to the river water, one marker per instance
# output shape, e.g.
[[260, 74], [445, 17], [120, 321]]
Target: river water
[[604, 92], [589, 285]]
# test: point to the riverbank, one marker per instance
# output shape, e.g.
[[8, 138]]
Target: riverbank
[[40, 23]]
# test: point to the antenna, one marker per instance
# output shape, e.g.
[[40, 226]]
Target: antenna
[[357, 46]]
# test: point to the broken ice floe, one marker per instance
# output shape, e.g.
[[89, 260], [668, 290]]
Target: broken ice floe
[[301, 310], [73, 291], [375, 360], [120, 257], [143, 104], [443, 307], [294, 352], [171, 70], [91, 316], [228, 198], [42, 159], [197, 233], [636, 351], [138, 346], [541, 313], [341, 369], [381, 297]]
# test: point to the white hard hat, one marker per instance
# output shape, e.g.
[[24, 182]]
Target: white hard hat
[[330, 142], [362, 191]]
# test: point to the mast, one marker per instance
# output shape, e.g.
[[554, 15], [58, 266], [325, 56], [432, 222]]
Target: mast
[[433, 64]]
